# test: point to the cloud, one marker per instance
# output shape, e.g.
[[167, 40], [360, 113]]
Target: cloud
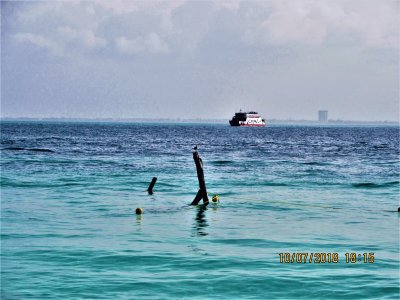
[[375, 23], [286, 58], [84, 37], [34, 13], [161, 9], [118, 6], [65, 37], [231, 5], [39, 41], [150, 43], [295, 22], [159, 27]]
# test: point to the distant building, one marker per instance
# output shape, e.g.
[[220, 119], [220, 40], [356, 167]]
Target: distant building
[[323, 116]]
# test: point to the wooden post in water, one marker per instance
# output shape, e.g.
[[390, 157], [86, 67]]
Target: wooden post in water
[[152, 183], [198, 197], [202, 193]]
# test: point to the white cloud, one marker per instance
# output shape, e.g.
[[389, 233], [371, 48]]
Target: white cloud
[[128, 46], [33, 13], [39, 41], [231, 5], [164, 10], [153, 26], [318, 59], [64, 38], [295, 22], [376, 23], [155, 44], [151, 43], [118, 6], [85, 37]]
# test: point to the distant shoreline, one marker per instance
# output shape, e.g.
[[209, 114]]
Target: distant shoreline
[[201, 121]]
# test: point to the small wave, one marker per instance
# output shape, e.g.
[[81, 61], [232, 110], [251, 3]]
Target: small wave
[[72, 184], [353, 222], [7, 142], [265, 206], [51, 138], [28, 149], [381, 146], [164, 210], [14, 148], [246, 242], [164, 184], [33, 184], [314, 163], [274, 184], [40, 150], [261, 183], [375, 185], [81, 202], [221, 162], [45, 235], [223, 194]]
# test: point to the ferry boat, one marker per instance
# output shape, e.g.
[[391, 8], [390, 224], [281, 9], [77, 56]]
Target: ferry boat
[[251, 118]]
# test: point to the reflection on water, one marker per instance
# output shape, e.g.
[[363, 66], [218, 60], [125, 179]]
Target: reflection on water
[[139, 222], [214, 207], [200, 222]]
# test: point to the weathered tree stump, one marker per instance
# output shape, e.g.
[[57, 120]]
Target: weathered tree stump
[[202, 193], [152, 183]]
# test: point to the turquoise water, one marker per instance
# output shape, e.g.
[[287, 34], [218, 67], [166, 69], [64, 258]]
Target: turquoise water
[[69, 193]]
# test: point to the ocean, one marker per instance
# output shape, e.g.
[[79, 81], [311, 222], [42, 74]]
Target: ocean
[[305, 212]]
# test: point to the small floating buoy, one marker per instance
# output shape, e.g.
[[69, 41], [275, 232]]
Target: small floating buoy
[[139, 211], [215, 198]]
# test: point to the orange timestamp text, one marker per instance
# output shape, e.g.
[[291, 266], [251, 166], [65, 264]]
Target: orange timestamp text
[[325, 257]]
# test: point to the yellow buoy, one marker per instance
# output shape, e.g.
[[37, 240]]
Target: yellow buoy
[[215, 198], [139, 211]]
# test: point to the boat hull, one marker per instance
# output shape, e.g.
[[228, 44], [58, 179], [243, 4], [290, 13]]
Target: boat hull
[[252, 125], [243, 119], [237, 124]]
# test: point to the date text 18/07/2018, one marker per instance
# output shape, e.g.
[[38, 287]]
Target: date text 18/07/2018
[[325, 257]]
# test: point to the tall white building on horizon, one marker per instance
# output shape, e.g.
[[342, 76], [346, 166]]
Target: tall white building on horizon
[[322, 116]]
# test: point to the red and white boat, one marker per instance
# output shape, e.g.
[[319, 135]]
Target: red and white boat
[[251, 118]]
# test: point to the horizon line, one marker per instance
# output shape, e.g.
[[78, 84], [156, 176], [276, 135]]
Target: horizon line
[[188, 120]]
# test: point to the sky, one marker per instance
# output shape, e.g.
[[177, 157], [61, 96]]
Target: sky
[[286, 59]]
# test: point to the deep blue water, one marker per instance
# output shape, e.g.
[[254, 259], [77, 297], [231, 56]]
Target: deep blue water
[[69, 193]]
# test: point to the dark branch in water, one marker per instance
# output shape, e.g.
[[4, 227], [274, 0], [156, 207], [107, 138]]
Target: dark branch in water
[[152, 183], [202, 193]]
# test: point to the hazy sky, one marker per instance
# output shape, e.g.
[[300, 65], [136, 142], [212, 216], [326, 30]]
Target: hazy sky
[[128, 59]]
